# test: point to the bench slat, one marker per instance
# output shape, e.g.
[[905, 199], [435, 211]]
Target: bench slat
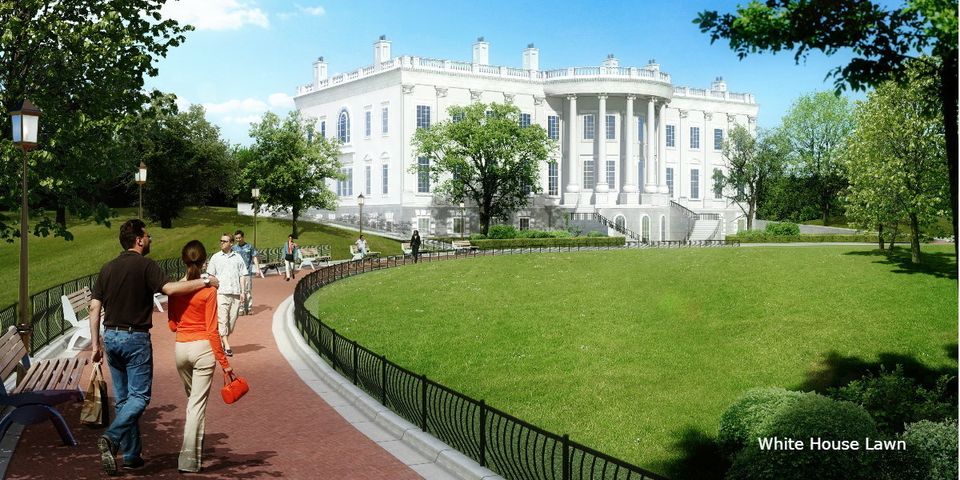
[[12, 351], [71, 374], [36, 371]]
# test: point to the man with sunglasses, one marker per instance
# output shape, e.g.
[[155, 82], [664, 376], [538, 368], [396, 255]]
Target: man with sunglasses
[[123, 294], [229, 267]]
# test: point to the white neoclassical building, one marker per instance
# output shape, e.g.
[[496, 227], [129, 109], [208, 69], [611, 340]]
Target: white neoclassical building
[[632, 147]]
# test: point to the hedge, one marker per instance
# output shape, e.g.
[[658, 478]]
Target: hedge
[[756, 236], [741, 423], [492, 244]]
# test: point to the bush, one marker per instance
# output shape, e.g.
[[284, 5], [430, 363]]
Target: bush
[[895, 400], [934, 446], [810, 417], [742, 421], [757, 236], [782, 228], [492, 244], [596, 234], [560, 234], [502, 231], [533, 234], [477, 236]]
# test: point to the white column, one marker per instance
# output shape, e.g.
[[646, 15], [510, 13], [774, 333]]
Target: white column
[[573, 156], [601, 134], [650, 140], [630, 183], [662, 152]]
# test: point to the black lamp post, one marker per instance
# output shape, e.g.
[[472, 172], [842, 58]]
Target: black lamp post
[[463, 225], [360, 203], [26, 123], [141, 179], [255, 193]]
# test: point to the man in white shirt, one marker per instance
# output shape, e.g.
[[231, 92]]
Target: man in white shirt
[[361, 244], [228, 266]]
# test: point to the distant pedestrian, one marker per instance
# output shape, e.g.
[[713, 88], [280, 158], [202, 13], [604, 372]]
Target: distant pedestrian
[[194, 319], [291, 252], [361, 244], [249, 254], [415, 245], [229, 267], [123, 294]]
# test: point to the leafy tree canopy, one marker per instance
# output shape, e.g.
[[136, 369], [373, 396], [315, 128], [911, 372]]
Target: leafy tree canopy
[[751, 163]]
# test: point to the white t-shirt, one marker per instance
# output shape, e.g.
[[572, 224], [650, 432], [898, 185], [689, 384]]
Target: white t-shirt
[[228, 268]]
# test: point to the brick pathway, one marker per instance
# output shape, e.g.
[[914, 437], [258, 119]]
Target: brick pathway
[[281, 429]]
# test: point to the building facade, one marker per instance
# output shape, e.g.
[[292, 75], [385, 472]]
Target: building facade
[[631, 146]]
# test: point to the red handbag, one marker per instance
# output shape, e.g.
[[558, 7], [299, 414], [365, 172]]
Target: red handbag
[[234, 387]]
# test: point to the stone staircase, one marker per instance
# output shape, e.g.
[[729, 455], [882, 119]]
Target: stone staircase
[[705, 229]]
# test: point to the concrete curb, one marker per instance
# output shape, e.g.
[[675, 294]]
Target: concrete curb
[[421, 451]]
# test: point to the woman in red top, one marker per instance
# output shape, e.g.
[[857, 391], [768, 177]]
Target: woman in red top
[[194, 319]]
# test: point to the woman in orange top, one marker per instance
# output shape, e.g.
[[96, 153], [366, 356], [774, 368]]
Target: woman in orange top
[[194, 319]]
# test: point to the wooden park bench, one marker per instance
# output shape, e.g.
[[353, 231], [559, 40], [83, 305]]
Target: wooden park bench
[[39, 387], [460, 245], [266, 266], [309, 256], [73, 304]]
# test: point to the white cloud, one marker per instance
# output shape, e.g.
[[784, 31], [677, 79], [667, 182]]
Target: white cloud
[[244, 120], [278, 100], [315, 11], [216, 14], [230, 107]]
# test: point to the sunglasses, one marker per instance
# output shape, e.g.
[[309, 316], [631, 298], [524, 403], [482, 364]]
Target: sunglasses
[[225, 241]]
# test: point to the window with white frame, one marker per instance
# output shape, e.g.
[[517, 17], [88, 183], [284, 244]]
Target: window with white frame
[[611, 173], [645, 229], [588, 178], [670, 181], [367, 123], [323, 128], [717, 184], [695, 138], [423, 175], [524, 120], [369, 180], [553, 127], [671, 135], [553, 178], [345, 186], [611, 127], [343, 127], [423, 116], [718, 139], [524, 223], [694, 184], [458, 225], [423, 224], [588, 127], [385, 120], [385, 178]]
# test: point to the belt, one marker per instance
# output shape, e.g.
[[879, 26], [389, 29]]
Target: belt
[[127, 329]]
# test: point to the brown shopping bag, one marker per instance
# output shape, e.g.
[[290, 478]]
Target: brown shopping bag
[[96, 403]]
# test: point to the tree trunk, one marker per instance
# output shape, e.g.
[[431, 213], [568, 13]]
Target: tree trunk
[[62, 216], [893, 236], [914, 239], [166, 222], [751, 211], [296, 214], [948, 101], [880, 235], [484, 221]]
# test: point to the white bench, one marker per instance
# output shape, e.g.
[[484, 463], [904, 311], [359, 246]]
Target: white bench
[[407, 249], [460, 245], [355, 253], [310, 255], [72, 305]]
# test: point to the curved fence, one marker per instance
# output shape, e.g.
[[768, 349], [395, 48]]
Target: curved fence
[[509, 446]]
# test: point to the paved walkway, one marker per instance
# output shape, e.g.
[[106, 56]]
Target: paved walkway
[[281, 429]]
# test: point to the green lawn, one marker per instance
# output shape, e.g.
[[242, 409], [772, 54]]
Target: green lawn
[[54, 260], [637, 352]]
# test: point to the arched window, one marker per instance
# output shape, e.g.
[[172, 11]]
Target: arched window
[[645, 229], [663, 228], [343, 127], [619, 221]]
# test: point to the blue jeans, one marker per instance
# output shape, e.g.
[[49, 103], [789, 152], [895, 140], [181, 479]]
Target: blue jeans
[[130, 357]]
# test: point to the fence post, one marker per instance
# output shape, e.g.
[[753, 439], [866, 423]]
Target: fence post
[[423, 402], [566, 457], [483, 433], [333, 347], [356, 355], [383, 380]]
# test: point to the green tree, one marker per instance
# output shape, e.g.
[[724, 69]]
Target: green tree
[[883, 40], [751, 163], [291, 165], [485, 155], [187, 161], [816, 127], [894, 157], [83, 63]]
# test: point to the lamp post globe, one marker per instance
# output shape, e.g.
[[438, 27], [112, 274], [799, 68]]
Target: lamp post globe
[[360, 201], [25, 121]]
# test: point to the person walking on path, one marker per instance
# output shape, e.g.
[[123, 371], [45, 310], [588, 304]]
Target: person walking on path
[[228, 266], [291, 252], [123, 294], [415, 245], [194, 319], [249, 254]]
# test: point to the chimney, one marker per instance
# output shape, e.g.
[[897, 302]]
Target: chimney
[[481, 52], [531, 58], [719, 85], [652, 65], [611, 61], [319, 71], [381, 50]]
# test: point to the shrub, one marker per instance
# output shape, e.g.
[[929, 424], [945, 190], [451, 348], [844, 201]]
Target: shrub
[[477, 236], [560, 234], [596, 234], [491, 244], [748, 415], [782, 228], [894, 399], [811, 416], [757, 236], [502, 231], [934, 445], [532, 234]]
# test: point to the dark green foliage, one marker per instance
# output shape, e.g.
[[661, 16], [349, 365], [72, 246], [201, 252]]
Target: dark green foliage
[[549, 242], [782, 228], [811, 416], [502, 231], [756, 236], [894, 399], [743, 421], [477, 236], [934, 445]]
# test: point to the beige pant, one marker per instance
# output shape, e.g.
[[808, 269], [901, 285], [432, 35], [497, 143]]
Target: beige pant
[[195, 363], [228, 306], [290, 268], [246, 284]]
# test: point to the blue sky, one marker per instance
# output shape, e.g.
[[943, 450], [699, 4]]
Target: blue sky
[[248, 56]]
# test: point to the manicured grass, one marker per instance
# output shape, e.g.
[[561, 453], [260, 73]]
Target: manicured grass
[[636, 352], [54, 260]]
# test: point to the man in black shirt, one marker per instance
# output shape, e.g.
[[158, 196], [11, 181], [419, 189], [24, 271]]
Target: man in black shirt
[[124, 293]]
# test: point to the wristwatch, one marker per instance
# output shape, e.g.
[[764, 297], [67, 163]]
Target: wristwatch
[[206, 279]]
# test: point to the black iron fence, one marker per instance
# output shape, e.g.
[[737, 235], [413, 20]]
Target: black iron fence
[[509, 446]]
